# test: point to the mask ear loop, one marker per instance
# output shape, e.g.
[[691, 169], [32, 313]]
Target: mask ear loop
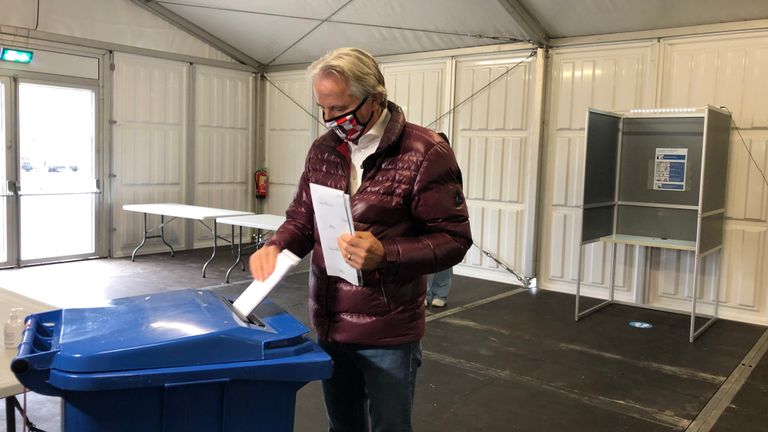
[[354, 114], [352, 111]]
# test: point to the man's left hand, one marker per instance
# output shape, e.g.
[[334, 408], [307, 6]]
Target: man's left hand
[[362, 250]]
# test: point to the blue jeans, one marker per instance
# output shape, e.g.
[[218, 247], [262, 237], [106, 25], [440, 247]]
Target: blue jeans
[[439, 284], [369, 380]]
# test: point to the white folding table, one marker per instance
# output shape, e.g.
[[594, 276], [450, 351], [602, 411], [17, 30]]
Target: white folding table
[[261, 222], [9, 386], [183, 211]]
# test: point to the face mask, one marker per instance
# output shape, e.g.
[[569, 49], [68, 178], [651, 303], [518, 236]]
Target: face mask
[[347, 126]]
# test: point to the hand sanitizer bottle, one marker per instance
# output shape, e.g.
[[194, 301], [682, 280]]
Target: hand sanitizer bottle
[[12, 329]]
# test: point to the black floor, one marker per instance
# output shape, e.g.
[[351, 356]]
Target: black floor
[[518, 362]]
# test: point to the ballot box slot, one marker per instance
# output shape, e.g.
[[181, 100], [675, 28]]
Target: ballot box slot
[[250, 319]]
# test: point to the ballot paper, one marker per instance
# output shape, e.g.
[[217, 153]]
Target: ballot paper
[[333, 215], [257, 291]]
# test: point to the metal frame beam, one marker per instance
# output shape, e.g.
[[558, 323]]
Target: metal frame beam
[[198, 32], [532, 28]]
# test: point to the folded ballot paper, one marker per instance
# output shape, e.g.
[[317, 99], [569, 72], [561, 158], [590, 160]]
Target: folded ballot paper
[[258, 290]]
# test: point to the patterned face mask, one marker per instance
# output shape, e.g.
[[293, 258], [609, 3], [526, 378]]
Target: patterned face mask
[[347, 126]]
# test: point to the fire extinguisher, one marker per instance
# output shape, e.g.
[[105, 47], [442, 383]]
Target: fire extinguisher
[[260, 178]]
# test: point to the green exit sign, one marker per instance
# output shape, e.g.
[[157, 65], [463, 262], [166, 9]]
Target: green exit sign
[[14, 55]]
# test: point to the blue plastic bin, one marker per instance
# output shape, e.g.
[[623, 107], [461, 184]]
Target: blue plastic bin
[[176, 361]]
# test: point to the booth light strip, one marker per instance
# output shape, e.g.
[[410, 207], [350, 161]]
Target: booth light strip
[[16, 56], [662, 110]]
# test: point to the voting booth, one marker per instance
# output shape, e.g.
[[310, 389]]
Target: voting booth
[[174, 361], [656, 178]]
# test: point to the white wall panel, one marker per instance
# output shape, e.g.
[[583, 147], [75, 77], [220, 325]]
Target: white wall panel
[[289, 132], [724, 71], [609, 78], [496, 145], [567, 170], [422, 91], [149, 145], [746, 188], [223, 133], [728, 71]]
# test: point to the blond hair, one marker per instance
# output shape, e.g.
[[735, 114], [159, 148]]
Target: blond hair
[[357, 66]]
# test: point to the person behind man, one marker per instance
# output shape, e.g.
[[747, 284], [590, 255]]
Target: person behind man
[[410, 220], [438, 287], [439, 284]]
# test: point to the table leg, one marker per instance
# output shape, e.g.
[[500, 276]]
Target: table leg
[[239, 252], [213, 255], [10, 414], [162, 234], [143, 239]]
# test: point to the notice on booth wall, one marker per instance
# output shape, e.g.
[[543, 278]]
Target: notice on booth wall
[[669, 169], [257, 291], [333, 215]]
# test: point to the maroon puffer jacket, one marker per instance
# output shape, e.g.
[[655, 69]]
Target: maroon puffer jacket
[[411, 199]]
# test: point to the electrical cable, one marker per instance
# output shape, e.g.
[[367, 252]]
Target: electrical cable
[[37, 17], [744, 143], [533, 53], [23, 412], [266, 78]]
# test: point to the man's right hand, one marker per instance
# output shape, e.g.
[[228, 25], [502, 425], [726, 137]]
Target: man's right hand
[[262, 262]]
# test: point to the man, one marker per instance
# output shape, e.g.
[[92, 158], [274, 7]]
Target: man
[[410, 220]]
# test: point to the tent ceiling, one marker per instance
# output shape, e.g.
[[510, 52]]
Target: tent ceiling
[[281, 32]]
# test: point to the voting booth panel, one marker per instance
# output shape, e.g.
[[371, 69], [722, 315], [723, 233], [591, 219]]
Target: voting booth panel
[[655, 178], [174, 361], [650, 174]]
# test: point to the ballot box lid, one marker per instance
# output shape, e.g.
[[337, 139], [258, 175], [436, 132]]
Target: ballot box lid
[[172, 329]]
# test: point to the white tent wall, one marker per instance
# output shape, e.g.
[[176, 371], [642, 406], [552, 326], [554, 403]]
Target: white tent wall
[[119, 22], [223, 149], [150, 149], [164, 140], [499, 158], [496, 141], [721, 70], [288, 132], [494, 135], [158, 157]]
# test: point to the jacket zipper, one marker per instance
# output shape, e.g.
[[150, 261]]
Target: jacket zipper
[[327, 314], [383, 291]]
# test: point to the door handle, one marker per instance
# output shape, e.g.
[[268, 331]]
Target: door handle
[[12, 187]]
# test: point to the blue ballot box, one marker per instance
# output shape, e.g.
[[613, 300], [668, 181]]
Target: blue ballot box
[[173, 361]]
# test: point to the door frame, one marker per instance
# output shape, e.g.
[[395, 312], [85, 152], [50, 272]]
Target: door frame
[[9, 189], [101, 216]]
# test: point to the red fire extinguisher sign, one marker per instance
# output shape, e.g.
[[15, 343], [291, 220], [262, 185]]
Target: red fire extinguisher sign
[[261, 180]]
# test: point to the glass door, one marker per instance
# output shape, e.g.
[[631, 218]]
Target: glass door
[[57, 183]]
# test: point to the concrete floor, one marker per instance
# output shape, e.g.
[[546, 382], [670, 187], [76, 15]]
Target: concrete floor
[[497, 359]]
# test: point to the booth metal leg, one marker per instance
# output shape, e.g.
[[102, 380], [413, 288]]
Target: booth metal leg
[[578, 282], [597, 307], [696, 333]]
